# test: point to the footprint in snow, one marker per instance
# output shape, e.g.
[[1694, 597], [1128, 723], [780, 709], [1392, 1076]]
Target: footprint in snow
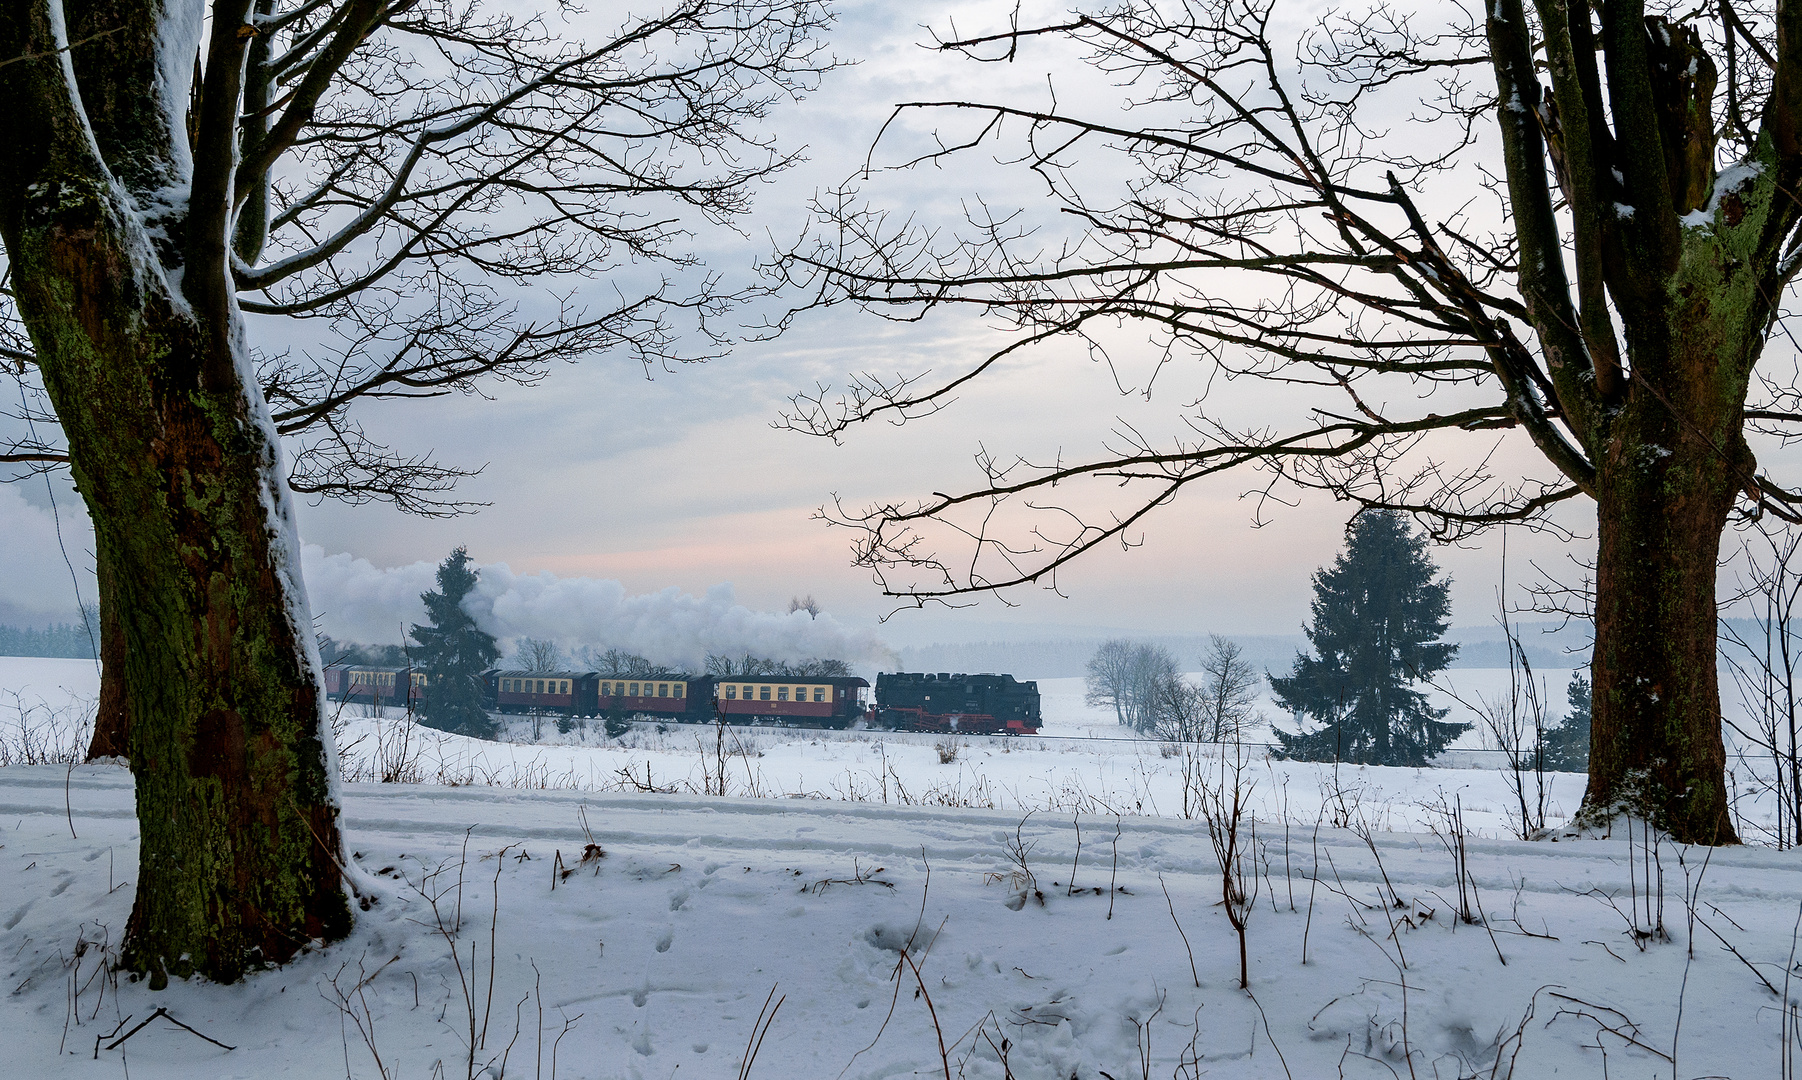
[[664, 942], [1116, 950], [13, 919], [642, 1044], [678, 899]]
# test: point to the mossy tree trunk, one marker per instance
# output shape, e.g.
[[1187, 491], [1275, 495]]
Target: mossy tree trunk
[[117, 244], [1663, 495]]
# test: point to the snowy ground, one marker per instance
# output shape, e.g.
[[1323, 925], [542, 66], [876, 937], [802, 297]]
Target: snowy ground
[[660, 954], [886, 908]]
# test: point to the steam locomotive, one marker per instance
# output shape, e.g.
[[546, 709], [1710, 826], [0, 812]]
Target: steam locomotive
[[974, 704], [922, 701]]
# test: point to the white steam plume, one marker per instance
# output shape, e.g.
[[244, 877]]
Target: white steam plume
[[357, 601]]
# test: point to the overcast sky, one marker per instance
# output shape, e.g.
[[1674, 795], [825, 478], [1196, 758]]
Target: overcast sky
[[680, 482]]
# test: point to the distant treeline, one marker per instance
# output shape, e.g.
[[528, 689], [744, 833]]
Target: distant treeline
[[1477, 647], [68, 640]]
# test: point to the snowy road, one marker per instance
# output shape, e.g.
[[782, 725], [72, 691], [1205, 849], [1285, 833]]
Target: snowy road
[[668, 946]]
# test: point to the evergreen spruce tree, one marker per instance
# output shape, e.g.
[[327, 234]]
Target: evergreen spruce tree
[[1378, 617], [1567, 745], [454, 652]]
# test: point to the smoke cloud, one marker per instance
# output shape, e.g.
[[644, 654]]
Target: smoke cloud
[[354, 600]]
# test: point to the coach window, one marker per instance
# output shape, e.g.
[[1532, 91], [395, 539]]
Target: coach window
[[731, 693], [633, 690], [781, 693], [679, 689], [763, 693], [819, 693]]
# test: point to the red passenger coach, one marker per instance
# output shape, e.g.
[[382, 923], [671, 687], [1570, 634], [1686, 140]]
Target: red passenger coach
[[541, 691], [672, 696], [752, 699], [362, 684]]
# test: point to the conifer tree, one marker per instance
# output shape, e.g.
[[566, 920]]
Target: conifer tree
[[1567, 745], [1378, 616], [454, 652]]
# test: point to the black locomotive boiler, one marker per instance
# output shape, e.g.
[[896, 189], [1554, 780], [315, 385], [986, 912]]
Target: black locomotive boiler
[[985, 704]]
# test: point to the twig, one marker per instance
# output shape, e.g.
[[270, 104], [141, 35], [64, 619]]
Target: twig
[[1114, 874], [1179, 929], [164, 1013], [759, 1030]]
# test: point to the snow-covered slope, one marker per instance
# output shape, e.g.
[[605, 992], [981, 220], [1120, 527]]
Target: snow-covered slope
[[654, 960]]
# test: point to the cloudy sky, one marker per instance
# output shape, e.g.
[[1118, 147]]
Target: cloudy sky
[[625, 487]]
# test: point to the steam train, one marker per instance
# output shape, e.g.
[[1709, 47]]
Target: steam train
[[943, 702], [974, 704]]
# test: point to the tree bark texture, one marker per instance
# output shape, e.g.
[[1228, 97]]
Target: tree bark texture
[[204, 619], [1664, 494]]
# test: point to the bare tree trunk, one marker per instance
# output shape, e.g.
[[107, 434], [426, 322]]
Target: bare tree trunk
[[174, 456], [1673, 466]]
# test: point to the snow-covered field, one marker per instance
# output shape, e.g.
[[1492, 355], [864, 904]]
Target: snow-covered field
[[903, 939]]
